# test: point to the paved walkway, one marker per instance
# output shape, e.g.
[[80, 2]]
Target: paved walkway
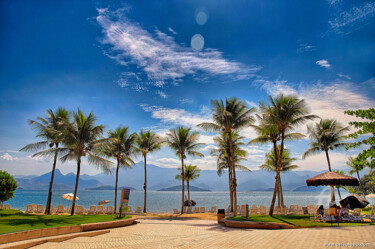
[[152, 233]]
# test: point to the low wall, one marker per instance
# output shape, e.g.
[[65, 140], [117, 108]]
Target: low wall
[[105, 225], [256, 224]]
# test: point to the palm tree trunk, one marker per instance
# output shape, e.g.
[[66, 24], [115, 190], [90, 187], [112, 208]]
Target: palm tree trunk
[[230, 188], [183, 183], [76, 187], [278, 196], [187, 182], [360, 184], [145, 188], [331, 189], [234, 181], [281, 193], [116, 183], [49, 199], [234, 191], [276, 181]]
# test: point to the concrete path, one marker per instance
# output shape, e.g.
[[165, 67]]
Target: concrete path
[[152, 233]]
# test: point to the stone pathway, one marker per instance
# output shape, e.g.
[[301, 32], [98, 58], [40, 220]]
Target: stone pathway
[[153, 233]]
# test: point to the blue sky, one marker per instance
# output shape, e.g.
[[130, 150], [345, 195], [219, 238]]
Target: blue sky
[[157, 64]]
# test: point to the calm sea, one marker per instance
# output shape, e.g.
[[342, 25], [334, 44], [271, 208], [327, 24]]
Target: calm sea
[[165, 201]]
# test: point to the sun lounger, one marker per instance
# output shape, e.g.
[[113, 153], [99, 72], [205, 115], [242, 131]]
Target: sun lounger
[[130, 210], [60, 209], [254, 210], [92, 209], [189, 210], [52, 210], [7, 206], [202, 209], [109, 210], [213, 209], [138, 210], [29, 209], [356, 215], [228, 209], [1, 206], [40, 209], [68, 209], [370, 216], [243, 210], [100, 209], [263, 210], [196, 210], [344, 215], [175, 211]]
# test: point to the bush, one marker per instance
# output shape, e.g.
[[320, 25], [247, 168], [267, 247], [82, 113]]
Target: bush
[[7, 186]]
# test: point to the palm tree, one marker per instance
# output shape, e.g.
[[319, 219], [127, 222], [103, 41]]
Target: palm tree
[[356, 168], [191, 173], [81, 139], [147, 142], [286, 112], [233, 115], [270, 164], [222, 154], [268, 132], [326, 135], [120, 146], [338, 186], [50, 129], [183, 141]]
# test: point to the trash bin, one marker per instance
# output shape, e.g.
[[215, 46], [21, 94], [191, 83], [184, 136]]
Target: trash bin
[[220, 215]]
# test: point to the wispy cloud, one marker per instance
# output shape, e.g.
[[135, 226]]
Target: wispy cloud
[[186, 101], [172, 31], [158, 57], [323, 63], [162, 94], [346, 21], [344, 76], [305, 47], [8, 157]]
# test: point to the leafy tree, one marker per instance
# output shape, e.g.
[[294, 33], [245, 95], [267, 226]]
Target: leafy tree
[[356, 167], [192, 172], [326, 135], [183, 141], [120, 146], [228, 116], [147, 142], [7, 186], [286, 112], [366, 127], [82, 138], [51, 130]]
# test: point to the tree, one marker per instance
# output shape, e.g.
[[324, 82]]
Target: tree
[[7, 186], [326, 135], [367, 156], [269, 132], [338, 186], [191, 173], [270, 164], [147, 142], [286, 113], [356, 167], [51, 129], [183, 141], [82, 138], [233, 115], [120, 146]]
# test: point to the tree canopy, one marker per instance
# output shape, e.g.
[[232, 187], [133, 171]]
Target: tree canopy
[[7, 186]]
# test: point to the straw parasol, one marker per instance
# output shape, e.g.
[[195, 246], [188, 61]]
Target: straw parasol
[[370, 196], [332, 179], [103, 202], [69, 196]]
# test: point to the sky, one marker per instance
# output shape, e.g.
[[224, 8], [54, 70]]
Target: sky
[[157, 64]]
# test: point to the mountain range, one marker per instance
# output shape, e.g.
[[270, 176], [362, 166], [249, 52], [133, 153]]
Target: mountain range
[[164, 178]]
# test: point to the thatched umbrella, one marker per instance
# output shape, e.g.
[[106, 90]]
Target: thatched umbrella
[[332, 179]]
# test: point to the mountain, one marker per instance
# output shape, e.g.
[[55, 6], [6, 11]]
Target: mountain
[[61, 182], [179, 188], [109, 188]]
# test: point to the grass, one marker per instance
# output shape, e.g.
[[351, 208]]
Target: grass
[[296, 220], [15, 220]]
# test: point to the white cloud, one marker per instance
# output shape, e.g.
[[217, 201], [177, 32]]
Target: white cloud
[[323, 63], [162, 94], [172, 31], [305, 47], [344, 76], [157, 55], [8, 157], [167, 162], [186, 101], [319, 161], [209, 147]]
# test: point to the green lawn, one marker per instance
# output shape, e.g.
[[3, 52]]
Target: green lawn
[[15, 220], [296, 220]]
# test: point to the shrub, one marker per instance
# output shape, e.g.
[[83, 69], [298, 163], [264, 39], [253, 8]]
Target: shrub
[[7, 186]]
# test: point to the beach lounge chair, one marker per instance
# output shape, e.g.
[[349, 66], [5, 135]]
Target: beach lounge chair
[[1, 206], [228, 209], [33, 208], [60, 209], [344, 215], [263, 210], [175, 211], [138, 210], [243, 210], [189, 210], [356, 215], [130, 210], [100, 209], [202, 209], [109, 210], [68, 209], [329, 215], [29, 209], [213, 209], [300, 210], [52, 210], [40, 209], [196, 210], [7, 206], [92, 209]]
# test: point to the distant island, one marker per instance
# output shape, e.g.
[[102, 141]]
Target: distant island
[[109, 188], [179, 188]]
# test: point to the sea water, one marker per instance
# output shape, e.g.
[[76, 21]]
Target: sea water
[[166, 201]]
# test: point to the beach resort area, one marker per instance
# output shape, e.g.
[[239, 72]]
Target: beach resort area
[[187, 124]]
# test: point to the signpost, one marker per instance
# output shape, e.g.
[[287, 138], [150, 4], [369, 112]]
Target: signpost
[[124, 201]]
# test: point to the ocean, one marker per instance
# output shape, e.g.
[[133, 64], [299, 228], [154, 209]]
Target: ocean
[[166, 201]]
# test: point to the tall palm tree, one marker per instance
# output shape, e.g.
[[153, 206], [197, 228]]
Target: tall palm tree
[[228, 116], [326, 135], [270, 164], [51, 130], [82, 138], [192, 172], [120, 146], [356, 168], [184, 142], [147, 142], [286, 112], [269, 132], [338, 186]]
